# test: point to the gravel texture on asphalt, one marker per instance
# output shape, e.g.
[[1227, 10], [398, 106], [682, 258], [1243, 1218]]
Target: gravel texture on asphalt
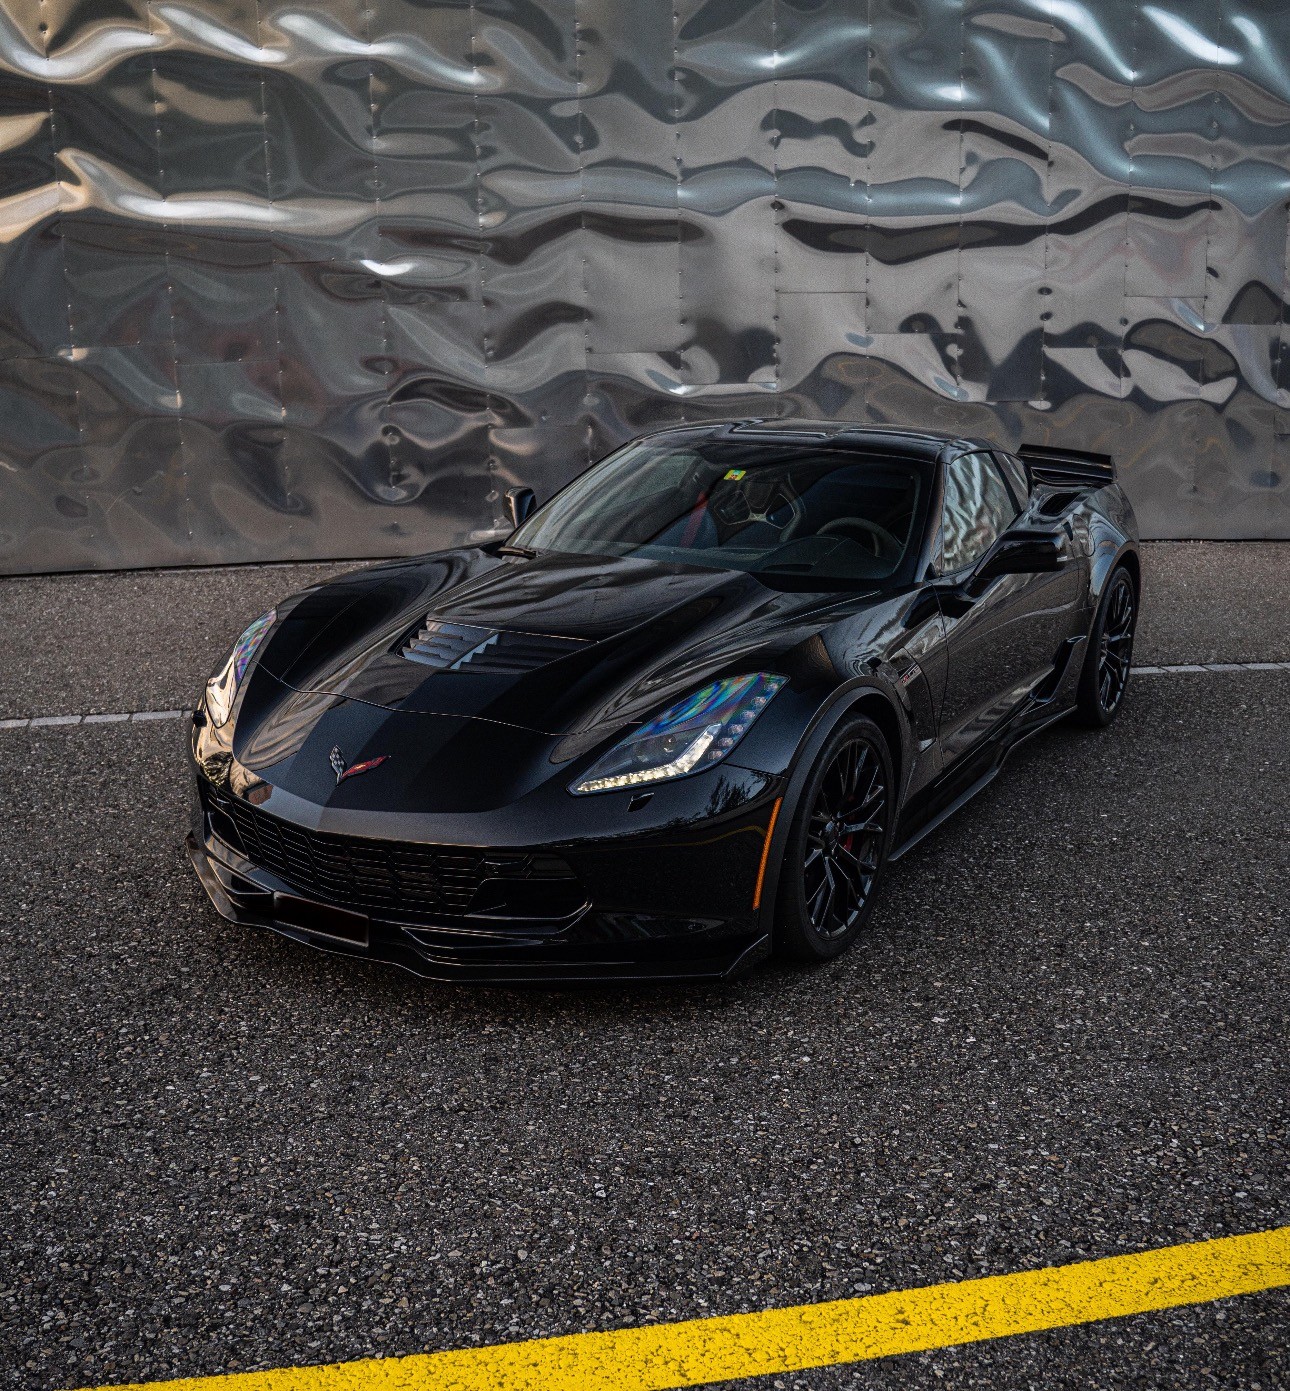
[[147, 640], [1214, 601], [133, 640], [1063, 1036]]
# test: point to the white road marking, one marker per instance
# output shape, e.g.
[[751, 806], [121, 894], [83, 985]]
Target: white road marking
[[134, 716], [1206, 668]]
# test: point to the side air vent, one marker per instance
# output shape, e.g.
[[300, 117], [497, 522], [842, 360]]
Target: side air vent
[[1065, 468], [484, 651]]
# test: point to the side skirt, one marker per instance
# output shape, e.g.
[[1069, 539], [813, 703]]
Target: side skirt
[[950, 793]]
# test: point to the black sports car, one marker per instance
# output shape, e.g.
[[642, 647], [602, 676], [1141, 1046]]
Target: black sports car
[[684, 714]]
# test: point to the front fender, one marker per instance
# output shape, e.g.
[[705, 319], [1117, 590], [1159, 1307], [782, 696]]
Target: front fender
[[861, 693]]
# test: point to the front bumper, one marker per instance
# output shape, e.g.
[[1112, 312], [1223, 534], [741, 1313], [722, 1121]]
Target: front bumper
[[668, 902]]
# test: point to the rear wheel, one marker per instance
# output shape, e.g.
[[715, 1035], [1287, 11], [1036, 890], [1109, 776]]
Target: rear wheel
[[838, 844], [1109, 657]]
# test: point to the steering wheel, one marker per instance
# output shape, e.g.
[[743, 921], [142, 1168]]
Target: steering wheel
[[876, 539], [797, 515], [736, 511]]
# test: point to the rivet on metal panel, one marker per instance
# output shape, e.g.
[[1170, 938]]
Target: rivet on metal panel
[[281, 456], [777, 207], [579, 76], [677, 169], [1129, 173], [1045, 290], [56, 182]]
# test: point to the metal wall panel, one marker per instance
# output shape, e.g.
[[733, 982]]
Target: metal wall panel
[[285, 280]]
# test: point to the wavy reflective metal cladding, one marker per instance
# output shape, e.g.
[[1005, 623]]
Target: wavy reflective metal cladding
[[286, 280]]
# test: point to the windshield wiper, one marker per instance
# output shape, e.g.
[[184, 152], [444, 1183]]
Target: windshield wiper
[[527, 552]]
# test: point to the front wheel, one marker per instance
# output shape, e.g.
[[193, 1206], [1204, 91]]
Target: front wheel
[[1109, 657], [838, 844]]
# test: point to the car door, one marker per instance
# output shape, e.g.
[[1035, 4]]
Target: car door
[[1005, 634]]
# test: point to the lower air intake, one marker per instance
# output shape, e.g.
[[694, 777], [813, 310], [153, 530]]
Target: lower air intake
[[397, 880]]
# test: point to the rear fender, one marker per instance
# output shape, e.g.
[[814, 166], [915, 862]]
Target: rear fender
[[1111, 549]]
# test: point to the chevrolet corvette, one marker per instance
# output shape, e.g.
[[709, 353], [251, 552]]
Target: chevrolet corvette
[[681, 716]]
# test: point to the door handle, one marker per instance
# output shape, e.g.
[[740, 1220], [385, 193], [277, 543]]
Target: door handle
[[952, 599], [925, 606], [957, 599]]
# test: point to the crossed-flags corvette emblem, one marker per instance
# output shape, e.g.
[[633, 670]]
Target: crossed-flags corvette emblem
[[351, 770]]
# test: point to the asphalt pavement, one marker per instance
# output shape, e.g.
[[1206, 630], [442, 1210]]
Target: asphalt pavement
[[1064, 1036]]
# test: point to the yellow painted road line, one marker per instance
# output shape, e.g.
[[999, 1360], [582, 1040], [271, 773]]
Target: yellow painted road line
[[668, 1355]]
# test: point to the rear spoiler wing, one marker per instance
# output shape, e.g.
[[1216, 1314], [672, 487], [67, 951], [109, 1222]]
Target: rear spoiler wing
[[1067, 467]]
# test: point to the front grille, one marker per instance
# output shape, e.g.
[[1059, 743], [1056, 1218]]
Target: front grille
[[393, 878]]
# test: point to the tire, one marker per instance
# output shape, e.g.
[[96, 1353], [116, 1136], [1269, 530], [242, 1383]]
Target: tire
[[851, 774], [1109, 659]]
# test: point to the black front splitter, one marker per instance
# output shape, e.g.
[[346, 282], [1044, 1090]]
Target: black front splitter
[[548, 964]]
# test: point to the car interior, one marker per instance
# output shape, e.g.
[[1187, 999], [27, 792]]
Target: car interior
[[827, 514]]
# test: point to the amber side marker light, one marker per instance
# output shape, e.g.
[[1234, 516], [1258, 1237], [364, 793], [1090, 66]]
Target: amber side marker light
[[765, 852]]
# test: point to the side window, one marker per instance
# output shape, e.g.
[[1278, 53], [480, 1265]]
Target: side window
[[1014, 473], [978, 506]]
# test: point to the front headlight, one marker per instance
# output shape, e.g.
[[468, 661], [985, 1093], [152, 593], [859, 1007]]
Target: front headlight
[[222, 687], [687, 737]]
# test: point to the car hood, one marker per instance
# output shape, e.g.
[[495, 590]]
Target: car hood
[[555, 644]]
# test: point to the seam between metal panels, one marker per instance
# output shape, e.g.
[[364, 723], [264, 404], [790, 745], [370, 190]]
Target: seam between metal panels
[[55, 177], [1202, 373], [481, 274], [678, 170], [1209, 225], [283, 455], [387, 430], [1281, 379], [1128, 189], [959, 334], [776, 210], [867, 202], [582, 235], [579, 140], [175, 443], [57, 180], [1280, 384], [1045, 288], [178, 396], [1211, 202]]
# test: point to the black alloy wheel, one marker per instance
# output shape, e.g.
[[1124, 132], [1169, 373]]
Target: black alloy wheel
[[838, 845], [1110, 652], [1117, 647]]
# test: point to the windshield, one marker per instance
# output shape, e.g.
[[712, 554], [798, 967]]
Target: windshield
[[826, 516]]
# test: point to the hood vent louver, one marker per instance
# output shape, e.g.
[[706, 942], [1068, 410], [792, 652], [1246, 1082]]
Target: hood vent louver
[[483, 651]]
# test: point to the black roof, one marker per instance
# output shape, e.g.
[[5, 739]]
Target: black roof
[[922, 444]]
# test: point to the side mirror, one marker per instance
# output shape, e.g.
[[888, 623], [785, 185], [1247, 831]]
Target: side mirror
[[1022, 553], [521, 503]]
